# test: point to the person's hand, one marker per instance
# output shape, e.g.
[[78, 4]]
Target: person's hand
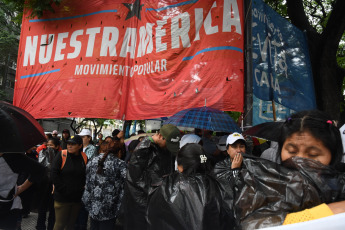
[[120, 135], [337, 207], [237, 161], [19, 190]]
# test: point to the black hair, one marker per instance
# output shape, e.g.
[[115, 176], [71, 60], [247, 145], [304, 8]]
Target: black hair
[[141, 131], [55, 141], [115, 150], [320, 126], [108, 137], [49, 135], [115, 132], [193, 158], [133, 145]]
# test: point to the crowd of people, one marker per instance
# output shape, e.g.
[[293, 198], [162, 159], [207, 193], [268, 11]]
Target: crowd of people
[[176, 180]]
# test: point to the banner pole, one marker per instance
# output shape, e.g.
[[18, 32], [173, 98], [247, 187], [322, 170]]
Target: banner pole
[[248, 66], [274, 111]]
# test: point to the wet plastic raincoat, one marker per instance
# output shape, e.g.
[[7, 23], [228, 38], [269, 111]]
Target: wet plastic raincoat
[[148, 164], [174, 201], [266, 192]]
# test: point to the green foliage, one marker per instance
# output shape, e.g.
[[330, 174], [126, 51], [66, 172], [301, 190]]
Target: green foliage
[[3, 95], [234, 115], [279, 6], [36, 7], [9, 34]]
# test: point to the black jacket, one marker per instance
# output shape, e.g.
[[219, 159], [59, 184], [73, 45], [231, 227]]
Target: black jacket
[[69, 181], [148, 164]]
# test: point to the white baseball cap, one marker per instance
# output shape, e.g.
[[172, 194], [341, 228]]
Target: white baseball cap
[[85, 132], [189, 138], [232, 138]]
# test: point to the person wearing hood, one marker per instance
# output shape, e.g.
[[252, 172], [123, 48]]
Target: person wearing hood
[[160, 151], [190, 198], [65, 137]]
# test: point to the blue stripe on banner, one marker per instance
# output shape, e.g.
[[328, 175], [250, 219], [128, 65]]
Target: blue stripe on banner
[[172, 6], [76, 16], [213, 49], [40, 74]]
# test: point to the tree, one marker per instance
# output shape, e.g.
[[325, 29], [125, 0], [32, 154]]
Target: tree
[[324, 23], [9, 40], [97, 123]]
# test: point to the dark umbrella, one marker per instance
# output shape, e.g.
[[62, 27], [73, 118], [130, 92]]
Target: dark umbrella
[[19, 130], [204, 118], [269, 131]]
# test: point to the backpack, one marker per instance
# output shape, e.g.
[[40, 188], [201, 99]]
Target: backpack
[[64, 157]]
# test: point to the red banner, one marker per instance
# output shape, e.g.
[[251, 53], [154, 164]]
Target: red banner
[[131, 59]]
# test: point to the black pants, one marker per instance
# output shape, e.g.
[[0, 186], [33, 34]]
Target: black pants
[[102, 225], [81, 223], [9, 221], [46, 204]]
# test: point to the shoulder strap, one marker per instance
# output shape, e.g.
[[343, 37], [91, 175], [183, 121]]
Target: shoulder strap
[[64, 157], [84, 157]]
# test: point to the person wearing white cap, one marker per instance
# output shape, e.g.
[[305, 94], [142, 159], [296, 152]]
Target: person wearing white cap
[[187, 139], [235, 146], [88, 148]]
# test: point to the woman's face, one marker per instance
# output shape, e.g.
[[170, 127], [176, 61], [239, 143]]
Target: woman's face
[[73, 148], [304, 144], [237, 147], [51, 145]]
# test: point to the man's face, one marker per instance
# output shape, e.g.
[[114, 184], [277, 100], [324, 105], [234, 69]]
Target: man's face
[[160, 140], [65, 135]]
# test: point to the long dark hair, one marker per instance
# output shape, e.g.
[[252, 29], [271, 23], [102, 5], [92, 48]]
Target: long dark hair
[[114, 148], [320, 125], [193, 159]]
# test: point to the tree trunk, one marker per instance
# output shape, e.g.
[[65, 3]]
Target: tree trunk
[[328, 76]]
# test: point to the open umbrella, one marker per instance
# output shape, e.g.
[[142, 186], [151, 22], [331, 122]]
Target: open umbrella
[[19, 130], [269, 131], [204, 118]]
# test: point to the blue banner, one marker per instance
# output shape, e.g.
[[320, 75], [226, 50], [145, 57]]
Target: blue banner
[[281, 64], [263, 111]]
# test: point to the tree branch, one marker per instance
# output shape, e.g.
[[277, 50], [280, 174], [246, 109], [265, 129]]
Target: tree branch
[[336, 23], [298, 16]]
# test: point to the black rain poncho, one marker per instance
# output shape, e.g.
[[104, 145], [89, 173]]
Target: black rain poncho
[[266, 192], [173, 201], [191, 203]]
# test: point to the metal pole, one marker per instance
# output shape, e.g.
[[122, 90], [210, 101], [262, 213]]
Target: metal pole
[[248, 73]]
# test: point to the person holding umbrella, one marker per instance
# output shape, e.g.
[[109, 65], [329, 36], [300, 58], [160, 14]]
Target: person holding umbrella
[[20, 131]]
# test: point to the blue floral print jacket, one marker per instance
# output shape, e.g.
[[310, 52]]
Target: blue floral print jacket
[[103, 192]]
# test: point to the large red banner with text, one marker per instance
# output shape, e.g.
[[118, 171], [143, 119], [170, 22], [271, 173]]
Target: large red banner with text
[[131, 59]]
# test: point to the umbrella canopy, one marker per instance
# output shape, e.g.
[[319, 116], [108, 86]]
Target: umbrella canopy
[[204, 118], [139, 135], [269, 131], [19, 130]]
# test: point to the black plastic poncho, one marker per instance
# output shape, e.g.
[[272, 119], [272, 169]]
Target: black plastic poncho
[[267, 192]]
